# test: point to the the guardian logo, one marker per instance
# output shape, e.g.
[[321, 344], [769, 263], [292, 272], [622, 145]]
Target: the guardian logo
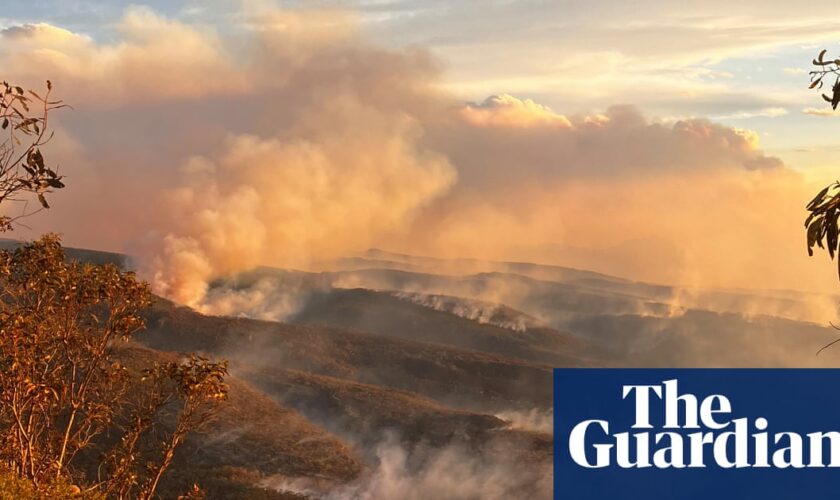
[[696, 434], [708, 423]]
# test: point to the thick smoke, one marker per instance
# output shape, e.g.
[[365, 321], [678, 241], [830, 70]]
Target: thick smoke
[[269, 200], [287, 139], [291, 141]]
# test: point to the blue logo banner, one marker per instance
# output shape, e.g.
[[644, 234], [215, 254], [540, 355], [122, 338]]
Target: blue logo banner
[[651, 434]]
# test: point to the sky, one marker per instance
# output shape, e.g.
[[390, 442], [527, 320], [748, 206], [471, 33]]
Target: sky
[[740, 63], [673, 142]]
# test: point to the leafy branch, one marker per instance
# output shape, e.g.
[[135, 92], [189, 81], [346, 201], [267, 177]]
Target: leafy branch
[[24, 121], [826, 68]]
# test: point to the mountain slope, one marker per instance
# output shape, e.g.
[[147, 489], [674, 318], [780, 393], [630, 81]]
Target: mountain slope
[[393, 317], [443, 373]]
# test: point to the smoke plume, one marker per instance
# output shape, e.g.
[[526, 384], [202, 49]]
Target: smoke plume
[[288, 138]]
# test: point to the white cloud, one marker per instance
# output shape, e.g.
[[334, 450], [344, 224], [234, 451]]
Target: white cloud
[[821, 111], [758, 113]]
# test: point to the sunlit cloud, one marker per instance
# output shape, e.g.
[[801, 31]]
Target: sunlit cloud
[[759, 113], [506, 110], [821, 112]]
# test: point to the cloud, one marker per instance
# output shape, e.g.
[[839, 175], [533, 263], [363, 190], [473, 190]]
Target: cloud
[[583, 56], [758, 113], [821, 112], [794, 71], [506, 110]]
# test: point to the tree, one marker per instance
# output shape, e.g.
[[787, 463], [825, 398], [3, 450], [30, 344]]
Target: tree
[[62, 384], [69, 404]]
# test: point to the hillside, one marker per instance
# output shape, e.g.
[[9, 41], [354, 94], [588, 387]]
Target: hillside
[[447, 374], [424, 399], [394, 316], [406, 376]]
